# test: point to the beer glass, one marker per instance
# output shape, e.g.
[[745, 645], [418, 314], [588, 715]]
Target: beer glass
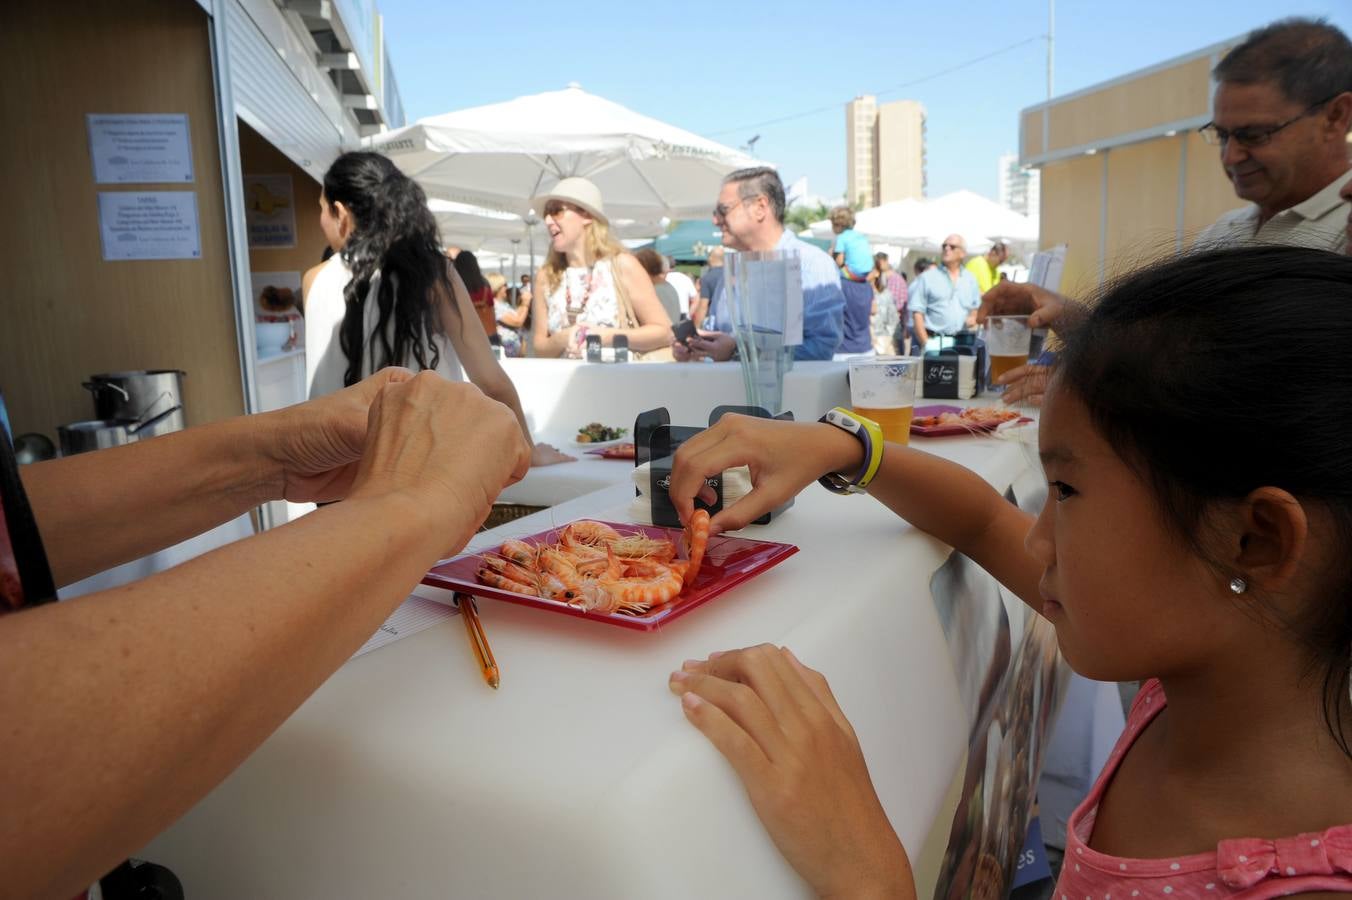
[[883, 388], [1008, 340]]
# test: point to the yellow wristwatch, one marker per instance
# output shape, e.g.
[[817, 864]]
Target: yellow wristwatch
[[870, 434]]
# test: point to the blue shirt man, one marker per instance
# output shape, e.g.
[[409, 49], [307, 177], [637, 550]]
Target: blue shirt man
[[750, 212], [823, 301], [944, 297]]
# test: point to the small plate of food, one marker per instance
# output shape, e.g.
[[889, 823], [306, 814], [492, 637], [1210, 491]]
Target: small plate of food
[[594, 435], [634, 576], [940, 421]]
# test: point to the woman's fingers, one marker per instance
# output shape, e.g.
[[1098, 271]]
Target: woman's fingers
[[729, 738], [739, 702]]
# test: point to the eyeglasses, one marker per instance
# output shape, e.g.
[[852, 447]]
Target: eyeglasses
[[1251, 135], [952, 247], [720, 212]]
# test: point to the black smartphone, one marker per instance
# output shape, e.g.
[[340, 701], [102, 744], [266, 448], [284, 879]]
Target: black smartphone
[[683, 331]]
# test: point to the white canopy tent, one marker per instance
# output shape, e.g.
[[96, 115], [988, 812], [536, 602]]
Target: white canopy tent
[[502, 155], [922, 225]]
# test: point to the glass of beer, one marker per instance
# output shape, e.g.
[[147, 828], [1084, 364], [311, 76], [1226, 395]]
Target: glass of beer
[[883, 388], [1008, 341]]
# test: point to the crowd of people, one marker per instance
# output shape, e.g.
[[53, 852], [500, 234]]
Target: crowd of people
[[1193, 536]]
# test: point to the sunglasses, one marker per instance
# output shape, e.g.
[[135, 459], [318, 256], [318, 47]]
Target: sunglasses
[[721, 211], [947, 246], [557, 207]]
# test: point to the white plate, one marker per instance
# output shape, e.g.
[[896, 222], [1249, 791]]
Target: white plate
[[595, 444]]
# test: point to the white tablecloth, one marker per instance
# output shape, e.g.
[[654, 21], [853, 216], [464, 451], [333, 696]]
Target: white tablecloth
[[406, 776]]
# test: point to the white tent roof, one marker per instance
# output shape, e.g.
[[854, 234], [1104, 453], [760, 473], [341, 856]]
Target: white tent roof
[[923, 224], [502, 155]]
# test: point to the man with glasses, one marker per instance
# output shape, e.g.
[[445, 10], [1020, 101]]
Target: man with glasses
[[944, 300], [1283, 107], [750, 212]]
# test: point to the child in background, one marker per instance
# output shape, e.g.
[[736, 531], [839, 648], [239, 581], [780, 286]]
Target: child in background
[[1196, 536]]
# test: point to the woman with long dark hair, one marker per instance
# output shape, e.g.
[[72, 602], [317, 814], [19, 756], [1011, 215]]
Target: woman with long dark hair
[[389, 296]]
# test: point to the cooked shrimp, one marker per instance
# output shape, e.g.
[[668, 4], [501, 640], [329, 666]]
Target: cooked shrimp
[[639, 594], [696, 540], [520, 552], [511, 571], [586, 533], [503, 583], [636, 546]]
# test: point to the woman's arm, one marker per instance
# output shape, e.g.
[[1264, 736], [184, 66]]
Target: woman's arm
[[654, 325], [546, 345], [476, 355], [950, 502], [517, 317], [124, 708], [98, 510]]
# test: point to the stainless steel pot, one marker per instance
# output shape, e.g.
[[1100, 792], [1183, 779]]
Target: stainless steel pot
[[140, 396], [95, 434]]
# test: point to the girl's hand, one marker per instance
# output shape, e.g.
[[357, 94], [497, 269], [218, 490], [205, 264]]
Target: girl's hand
[[784, 457], [777, 723]]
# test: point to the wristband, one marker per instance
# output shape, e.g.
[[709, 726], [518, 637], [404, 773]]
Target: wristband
[[870, 434]]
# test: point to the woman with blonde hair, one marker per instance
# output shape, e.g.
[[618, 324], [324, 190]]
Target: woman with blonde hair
[[589, 284]]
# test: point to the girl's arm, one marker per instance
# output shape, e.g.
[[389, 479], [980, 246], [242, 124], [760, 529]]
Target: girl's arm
[[942, 498]]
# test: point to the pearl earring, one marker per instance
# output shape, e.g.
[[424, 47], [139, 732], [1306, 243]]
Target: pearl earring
[[1238, 585]]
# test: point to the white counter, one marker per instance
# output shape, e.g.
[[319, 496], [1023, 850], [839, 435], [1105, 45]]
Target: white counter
[[406, 776]]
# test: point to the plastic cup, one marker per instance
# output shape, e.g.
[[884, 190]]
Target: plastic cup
[[882, 388], [1008, 342]]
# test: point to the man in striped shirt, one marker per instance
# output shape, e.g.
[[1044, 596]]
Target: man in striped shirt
[[1282, 111]]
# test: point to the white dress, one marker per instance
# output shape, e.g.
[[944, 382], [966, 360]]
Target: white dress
[[325, 361], [585, 296]]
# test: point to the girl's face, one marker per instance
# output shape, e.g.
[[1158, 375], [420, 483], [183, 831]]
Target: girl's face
[[335, 220], [566, 225], [1129, 599]]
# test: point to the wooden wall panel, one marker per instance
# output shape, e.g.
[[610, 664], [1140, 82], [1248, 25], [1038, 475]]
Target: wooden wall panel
[[64, 313], [258, 157], [1142, 222], [1155, 99], [1031, 127], [1071, 195]]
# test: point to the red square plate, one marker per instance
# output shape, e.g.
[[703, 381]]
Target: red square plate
[[728, 561], [946, 430]]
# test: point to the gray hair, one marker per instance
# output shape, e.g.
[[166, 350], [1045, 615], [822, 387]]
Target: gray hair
[[1309, 60], [761, 181]]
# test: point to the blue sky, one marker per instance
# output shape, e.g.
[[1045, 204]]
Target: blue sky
[[722, 69]]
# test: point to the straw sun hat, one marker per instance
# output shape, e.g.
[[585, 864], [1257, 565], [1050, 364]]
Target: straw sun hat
[[580, 193]]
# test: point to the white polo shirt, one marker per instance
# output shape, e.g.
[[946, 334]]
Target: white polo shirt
[[1319, 222]]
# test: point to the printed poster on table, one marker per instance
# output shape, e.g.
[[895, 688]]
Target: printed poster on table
[[270, 211], [149, 225], [140, 149]]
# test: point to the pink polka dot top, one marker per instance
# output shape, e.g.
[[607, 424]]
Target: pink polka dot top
[[1243, 867]]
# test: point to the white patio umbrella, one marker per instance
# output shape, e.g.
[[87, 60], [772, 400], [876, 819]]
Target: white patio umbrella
[[502, 155], [478, 228], [923, 224]]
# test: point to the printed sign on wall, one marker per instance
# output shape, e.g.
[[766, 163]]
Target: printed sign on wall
[[149, 225], [140, 149], [270, 211]]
